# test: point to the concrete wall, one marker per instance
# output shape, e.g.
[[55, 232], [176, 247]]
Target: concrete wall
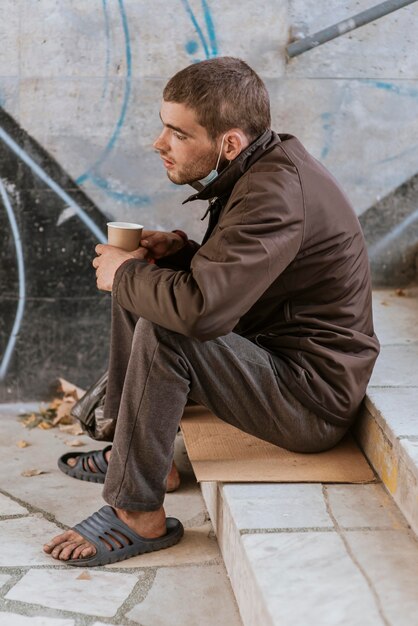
[[82, 82]]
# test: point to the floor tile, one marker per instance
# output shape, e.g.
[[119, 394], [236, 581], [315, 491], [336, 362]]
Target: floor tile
[[260, 506], [188, 596], [53, 491], [363, 506], [56, 493], [390, 560], [3, 579], [102, 594], [316, 567], [409, 463], [398, 407], [403, 309], [10, 410], [22, 540], [70, 500], [187, 505], [411, 448], [196, 546], [10, 507], [14, 619], [396, 367]]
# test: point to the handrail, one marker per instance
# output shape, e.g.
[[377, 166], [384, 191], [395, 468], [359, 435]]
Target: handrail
[[331, 32]]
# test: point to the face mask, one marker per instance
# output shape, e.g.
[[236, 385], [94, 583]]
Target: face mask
[[214, 173]]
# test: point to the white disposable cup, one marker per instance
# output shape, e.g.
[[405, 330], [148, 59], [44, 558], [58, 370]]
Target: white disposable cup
[[124, 235]]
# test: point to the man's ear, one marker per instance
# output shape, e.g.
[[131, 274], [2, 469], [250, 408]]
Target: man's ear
[[234, 143]]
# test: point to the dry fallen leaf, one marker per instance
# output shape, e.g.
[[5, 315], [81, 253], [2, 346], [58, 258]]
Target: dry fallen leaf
[[63, 413], [75, 443], [22, 444], [67, 420], [384, 303], [57, 412], [30, 420], [65, 408], [84, 576], [400, 292], [68, 389], [56, 402], [72, 429], [32, 472]]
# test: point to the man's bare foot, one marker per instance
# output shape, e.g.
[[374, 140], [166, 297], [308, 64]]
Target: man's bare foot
[[72, 462], [173, 479], [71, 545]]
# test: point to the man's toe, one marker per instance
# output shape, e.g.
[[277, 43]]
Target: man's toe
[[57, 551], [68, 551], [56, 541], [83, 550]]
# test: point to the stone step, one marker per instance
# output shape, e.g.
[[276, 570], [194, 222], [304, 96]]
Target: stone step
[[387, 430], [335, 555], [303, 554]]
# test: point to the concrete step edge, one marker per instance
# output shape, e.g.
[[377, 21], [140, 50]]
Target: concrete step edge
[[390, 456], [249, 596]]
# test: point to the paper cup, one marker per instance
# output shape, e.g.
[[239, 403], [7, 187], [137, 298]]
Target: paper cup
[[124, 235]]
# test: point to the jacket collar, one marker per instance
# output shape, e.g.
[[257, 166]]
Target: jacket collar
[[226, 180]]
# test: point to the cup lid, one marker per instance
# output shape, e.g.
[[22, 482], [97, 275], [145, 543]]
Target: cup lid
[[127, 225]]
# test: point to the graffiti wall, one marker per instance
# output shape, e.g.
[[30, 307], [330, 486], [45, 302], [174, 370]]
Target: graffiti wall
[[80, 87], [52, 317]]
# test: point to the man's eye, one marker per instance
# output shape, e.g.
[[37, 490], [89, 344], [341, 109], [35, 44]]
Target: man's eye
[[179, 136]]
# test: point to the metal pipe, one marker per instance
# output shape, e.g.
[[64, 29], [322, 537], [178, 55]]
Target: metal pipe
[[331, 32]]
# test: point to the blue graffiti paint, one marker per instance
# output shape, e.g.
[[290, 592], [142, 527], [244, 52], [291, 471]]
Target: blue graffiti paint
[[211, 47], [210, 28], [211, 50], [400, 90], [197, 27], [21, 273], [192, 47], [84, 217], [126, 96], [327, 126], [120, 196], [107, 35], [399, 155], [92, 173]]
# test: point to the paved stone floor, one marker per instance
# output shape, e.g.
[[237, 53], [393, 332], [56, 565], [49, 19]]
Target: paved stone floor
[[184, 585]]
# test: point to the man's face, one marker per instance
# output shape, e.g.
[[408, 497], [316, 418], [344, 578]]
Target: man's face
[[184, 146]]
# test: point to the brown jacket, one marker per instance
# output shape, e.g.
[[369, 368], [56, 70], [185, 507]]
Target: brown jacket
[[284, 264]]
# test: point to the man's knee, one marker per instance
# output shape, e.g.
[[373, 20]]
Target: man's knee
[[150, 331]]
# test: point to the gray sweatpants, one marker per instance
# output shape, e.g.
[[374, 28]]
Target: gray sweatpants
[[152, 373]]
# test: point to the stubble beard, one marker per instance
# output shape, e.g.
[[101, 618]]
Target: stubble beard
[[194, 171]]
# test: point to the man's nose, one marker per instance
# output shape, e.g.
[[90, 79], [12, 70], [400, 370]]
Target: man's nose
[[160, 143]]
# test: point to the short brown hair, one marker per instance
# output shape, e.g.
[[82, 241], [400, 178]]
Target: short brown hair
[[225, 93]]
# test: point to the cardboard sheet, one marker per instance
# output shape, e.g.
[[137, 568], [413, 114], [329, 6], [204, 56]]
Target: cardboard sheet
[[220, 452]]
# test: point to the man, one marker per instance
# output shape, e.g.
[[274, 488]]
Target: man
[[268, 322]]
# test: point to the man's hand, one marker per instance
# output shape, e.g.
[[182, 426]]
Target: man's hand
[[160, 244], [108, 260]]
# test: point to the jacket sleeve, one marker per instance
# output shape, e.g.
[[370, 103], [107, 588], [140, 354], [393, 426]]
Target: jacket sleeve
[[180, 260], [258, 235]]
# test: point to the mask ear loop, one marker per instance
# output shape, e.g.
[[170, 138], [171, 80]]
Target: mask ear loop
[[220, 152]]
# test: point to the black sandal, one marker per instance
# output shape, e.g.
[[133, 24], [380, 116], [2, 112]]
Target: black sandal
[[115, 541], [81, 469]]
